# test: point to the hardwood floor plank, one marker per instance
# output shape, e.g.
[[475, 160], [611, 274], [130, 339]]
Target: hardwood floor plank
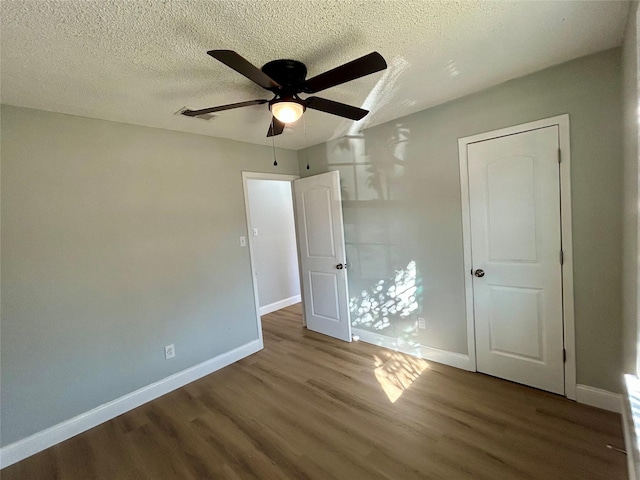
[[309, 407]]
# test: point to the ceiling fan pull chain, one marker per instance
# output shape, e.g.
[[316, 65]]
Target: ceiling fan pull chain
[[273, 144]]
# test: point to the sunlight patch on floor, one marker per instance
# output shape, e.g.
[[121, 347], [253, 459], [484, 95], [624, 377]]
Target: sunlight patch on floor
[[396, 372]]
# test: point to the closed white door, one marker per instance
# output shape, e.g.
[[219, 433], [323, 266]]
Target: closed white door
[[514, 195], [322, 254]]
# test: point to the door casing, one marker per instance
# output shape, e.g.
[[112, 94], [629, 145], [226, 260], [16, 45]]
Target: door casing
[[562, 121]]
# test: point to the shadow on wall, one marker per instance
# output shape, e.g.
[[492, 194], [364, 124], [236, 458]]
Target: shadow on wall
[[385, 282], [389, 308]]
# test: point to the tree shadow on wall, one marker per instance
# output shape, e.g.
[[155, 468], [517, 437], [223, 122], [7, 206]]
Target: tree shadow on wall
[[385, 283], [388, 307]]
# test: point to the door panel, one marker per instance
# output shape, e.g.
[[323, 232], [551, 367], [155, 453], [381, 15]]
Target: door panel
[[511, 209], [316, 204], [514, 195], [321, 238], [520, 339], [324, 301]]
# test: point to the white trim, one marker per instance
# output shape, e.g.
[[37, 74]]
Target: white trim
[[570, 379], [562, 121], [299, 249], [69, 428], [631, 430], [247, 210], [272, 307], [466, 252], [629, 445], [597, 397], [452, 359]]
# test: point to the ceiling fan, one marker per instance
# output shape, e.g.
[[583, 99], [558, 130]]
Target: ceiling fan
[[286, 79]]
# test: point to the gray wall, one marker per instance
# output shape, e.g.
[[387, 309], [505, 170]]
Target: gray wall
[[630, 243], [274, 249], [116, 241], [402, 204]]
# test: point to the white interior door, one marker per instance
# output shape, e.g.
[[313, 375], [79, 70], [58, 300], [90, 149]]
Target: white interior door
[[514, 195], [322, 254]]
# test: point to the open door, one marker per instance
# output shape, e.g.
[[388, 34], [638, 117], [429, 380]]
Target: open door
[[322, 254]]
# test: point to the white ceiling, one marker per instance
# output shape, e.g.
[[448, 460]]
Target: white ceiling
[[139, 61]]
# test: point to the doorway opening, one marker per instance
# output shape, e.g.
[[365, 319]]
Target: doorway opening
[[272, 240], [319, 234]]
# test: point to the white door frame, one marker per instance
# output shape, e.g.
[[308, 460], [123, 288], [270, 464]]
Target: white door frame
[[254, 279], [562, 121]]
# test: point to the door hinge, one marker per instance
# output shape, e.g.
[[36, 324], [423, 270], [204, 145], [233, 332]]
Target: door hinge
[[561, 257], [559, 156], [564, 355]]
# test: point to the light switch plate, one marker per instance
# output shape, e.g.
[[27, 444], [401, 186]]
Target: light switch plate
[[243, 241]]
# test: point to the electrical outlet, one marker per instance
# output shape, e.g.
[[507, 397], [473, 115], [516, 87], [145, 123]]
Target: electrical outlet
[[422, 323], [255, 232], [169, 351], [243, 241]]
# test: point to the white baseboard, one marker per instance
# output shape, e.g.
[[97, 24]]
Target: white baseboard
[[631, 427], [69, 428], [592, 396], [452, 359], [597, 397], [272, 307], [445, 357]]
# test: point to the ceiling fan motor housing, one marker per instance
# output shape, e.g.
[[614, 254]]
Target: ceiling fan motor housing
[[290, 74]]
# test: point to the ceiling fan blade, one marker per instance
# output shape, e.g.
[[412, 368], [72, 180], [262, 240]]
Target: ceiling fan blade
[[276, 127], [195, 113], [336, 108], [345, 73], [232, 60]]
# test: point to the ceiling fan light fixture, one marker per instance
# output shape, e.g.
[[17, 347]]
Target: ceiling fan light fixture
[[287, 111]]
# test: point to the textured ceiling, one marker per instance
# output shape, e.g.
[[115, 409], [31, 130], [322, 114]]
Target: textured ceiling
[[140, 61]]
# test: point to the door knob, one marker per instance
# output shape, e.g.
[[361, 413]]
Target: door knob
[[479, 273], [340, 266]]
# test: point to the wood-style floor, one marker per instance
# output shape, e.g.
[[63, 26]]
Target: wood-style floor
[[310, 407]]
